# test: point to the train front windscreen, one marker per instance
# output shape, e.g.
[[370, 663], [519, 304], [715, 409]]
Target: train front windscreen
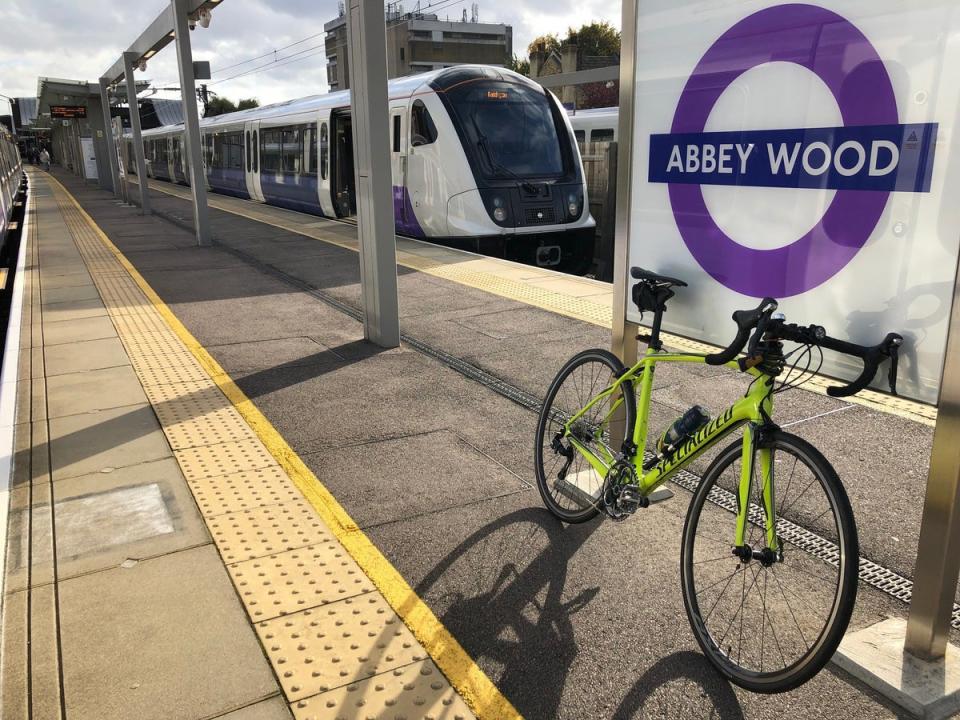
[[509, 128]]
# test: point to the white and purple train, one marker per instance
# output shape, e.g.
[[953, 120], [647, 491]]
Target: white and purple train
[[11, 176], [482, 159]]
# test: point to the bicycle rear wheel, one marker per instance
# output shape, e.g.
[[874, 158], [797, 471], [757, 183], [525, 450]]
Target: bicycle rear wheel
[[770, 626], [569, 486]]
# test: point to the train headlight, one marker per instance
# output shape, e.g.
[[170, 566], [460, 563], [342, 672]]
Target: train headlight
[[573, 204], [499, 211]]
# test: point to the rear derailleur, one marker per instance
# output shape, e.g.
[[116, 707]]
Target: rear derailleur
[[621, 496]]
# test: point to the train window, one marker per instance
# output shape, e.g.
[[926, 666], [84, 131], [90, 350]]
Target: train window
[[580, 136], [422, 129], [249, 152], [270, 144], [605, 135], [233, 146], [324, 150], [508, 127], [396, 133], [290, 151], [309, 162], [253, 151]]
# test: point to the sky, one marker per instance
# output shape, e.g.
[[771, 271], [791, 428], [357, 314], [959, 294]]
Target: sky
[[80, 39]]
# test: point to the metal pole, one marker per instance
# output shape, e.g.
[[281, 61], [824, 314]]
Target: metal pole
[[938, 550], [108, 137], [123, 158], [624, 339], [128, 58], [366, 43], [191, 122]]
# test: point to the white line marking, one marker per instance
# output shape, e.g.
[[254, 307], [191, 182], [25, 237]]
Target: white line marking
[[8, 388]]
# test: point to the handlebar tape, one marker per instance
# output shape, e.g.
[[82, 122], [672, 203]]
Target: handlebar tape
[[746, 321], [871, 356]]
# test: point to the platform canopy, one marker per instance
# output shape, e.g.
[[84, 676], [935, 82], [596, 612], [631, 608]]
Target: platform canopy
[[157, 36]]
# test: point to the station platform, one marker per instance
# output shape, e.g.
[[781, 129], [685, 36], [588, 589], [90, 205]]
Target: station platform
[[227, 504]]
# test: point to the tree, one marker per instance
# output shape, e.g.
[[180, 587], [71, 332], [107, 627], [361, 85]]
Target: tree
[[219, 106], [598, 94], [549, 42], [222, 105], [598, 39], [517, 64]]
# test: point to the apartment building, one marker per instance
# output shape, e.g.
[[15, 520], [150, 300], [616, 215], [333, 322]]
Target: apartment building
[[418, 42]]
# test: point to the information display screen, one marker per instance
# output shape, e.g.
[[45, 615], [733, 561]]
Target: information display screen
[[68, 112]]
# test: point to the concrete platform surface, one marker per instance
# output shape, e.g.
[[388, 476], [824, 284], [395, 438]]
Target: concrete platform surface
[[291, 447]]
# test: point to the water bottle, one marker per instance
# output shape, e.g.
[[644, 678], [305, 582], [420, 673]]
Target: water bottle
[[682, 429]]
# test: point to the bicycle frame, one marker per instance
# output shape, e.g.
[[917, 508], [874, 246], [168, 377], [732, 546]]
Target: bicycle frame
[[753, 410]]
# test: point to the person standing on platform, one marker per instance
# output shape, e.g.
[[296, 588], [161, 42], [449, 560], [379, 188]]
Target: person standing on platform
[[45, 160]]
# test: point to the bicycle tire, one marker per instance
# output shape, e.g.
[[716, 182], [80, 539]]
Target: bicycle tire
[[547, 412], [837, 611]]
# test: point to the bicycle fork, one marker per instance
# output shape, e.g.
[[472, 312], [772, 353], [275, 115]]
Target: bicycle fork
[[751, 457]]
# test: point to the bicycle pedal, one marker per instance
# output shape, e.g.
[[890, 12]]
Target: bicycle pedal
[[630, 499]]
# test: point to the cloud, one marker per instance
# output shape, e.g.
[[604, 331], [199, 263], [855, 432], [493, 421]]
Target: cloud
[[65, 38]]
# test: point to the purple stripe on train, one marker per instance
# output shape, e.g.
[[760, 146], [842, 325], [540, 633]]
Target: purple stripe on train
[[403, 213]]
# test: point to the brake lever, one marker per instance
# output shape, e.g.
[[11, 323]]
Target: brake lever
[[895, 342]]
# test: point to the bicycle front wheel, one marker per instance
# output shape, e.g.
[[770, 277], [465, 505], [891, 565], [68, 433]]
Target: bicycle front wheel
[[568, 484], [768, 624]]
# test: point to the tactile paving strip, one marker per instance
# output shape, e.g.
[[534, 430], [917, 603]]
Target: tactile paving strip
[[169, 373], [267, 530], [243, 491], [206, 461], [324, 626], [289, 582], [316, 650], [413, 691]]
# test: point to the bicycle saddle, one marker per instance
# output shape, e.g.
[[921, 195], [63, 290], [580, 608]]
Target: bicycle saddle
[[641, 274]]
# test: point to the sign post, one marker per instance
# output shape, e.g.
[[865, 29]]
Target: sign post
[[771, 148], [366, 41]]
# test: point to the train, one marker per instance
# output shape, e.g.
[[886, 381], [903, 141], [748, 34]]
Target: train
[[595, 124], [11, 177], [482, 159]]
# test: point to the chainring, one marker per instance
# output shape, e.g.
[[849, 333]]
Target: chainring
[[620, 475]]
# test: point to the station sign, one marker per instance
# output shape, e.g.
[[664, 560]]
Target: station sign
[[68, 112], [806, 153]]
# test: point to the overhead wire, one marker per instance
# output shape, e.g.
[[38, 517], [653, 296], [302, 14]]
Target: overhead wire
[[272, 52], [271, 66], [279, 62], [307, 53]]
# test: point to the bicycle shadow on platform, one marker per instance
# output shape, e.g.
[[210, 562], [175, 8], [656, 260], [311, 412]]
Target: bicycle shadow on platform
[[501, 593], [685, 665]]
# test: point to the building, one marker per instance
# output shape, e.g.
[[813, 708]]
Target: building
[[418, 42], [569, 59]]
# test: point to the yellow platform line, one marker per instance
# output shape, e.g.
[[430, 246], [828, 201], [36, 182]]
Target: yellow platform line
[[481, 273], [465, 676]]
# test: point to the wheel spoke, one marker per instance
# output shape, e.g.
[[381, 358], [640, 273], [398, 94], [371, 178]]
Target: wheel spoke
[[804, 609]]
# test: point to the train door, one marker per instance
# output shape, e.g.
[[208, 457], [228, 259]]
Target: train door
[[324, 178], [398, 164], [180, 167], [171, 167], [251, 152], [343, 187]]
